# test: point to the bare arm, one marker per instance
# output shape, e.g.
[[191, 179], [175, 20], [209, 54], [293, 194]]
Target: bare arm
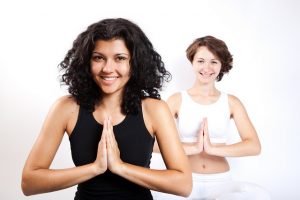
[[249, 144], [161, 123], [37, 177]]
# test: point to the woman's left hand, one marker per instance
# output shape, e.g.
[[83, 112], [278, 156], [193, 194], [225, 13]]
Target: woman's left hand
[[114, 161], [207, 146]]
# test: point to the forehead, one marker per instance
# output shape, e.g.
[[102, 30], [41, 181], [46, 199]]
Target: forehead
[[205, 53], [116, 46]]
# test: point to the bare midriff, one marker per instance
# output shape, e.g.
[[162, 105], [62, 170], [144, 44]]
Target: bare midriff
[[207, 164]]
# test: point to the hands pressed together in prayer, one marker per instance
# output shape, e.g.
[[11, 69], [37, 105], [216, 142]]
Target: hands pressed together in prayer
[[203, 143], [108, 155]]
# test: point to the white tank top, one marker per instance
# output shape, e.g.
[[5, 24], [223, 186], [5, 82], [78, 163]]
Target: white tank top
[[192, 113]]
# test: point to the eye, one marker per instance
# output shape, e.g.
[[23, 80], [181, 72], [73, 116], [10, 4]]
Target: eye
[[121, 58], [97, 58], [215, 62], [201, 61]]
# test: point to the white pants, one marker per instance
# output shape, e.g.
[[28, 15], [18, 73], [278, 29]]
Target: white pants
[[218, 187]]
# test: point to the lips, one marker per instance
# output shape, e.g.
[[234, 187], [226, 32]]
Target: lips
[[109, 78], [206, 74]]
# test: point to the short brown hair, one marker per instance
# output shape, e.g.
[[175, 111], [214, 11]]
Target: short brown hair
[[217, 47]]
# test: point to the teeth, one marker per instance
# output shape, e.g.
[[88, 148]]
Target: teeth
[[109, 78], [206, 74]]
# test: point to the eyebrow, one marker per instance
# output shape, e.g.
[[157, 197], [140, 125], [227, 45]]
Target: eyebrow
[[118, 54], [200, 58]]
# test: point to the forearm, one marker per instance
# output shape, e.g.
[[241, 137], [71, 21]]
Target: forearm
[[47, 180], [191, 148], [159, 180], [243, 148]]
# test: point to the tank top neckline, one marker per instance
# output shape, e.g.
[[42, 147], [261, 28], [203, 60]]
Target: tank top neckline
[[116, 125], [201, 104]]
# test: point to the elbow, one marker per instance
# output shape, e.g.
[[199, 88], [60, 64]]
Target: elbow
[[26, 192], [26, 185], [187, 191], [25, 188], [256, 150], [252, 147], [186, 187]]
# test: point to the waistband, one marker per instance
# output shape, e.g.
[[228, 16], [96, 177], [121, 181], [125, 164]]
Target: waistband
[[224, 176]]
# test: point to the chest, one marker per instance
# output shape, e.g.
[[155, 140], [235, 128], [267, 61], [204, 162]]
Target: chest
[[134, 141]]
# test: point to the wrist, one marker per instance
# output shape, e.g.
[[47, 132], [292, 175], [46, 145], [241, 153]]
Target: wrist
[[211, 150], [118, 169], [96, 169], [196, 149]]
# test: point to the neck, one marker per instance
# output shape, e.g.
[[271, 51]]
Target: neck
[[111, 104], [206, 89]]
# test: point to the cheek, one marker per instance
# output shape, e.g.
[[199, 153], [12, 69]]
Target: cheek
[[197, 68], [126, 70], [218, 68], [95, 69]]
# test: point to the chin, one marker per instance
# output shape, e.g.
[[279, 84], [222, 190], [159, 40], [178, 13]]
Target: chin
[[206, 80], [110, 90]]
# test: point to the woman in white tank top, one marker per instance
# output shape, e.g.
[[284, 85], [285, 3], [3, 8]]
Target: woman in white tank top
[[203, 114]]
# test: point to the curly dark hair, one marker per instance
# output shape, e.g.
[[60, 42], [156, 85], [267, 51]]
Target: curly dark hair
[[148, 72], [217, 47]]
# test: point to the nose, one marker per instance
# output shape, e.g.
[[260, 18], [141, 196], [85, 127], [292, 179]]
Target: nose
[[206, 65], [108, 66]]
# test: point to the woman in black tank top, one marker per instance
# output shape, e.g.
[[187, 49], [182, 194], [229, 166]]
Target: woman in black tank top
[[112, 117]]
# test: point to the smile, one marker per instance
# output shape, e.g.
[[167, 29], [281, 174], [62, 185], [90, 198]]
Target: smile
[[207, 74], [109, 78]]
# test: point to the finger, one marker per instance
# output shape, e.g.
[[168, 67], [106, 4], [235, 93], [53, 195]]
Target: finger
[[110, 134], [205, 128], [111, 130], [206, 133], [104, 132], [200, 132], [109, 125], [202, 126]]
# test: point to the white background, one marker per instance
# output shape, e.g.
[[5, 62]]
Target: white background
[[263, 36]]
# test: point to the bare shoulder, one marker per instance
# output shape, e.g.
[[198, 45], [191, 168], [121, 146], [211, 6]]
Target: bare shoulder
[[65, 106], [234, 100], [154, 106], [65, 103], [174, 98], [174, 103], [154, 112], [235, 104], [64, 111]]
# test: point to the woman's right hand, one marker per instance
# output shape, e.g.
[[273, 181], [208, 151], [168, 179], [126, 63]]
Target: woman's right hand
[[101, 159], [199, 145]]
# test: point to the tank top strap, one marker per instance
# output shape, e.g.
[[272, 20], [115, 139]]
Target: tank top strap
[[184, 97], [224, 99], [84, 114]]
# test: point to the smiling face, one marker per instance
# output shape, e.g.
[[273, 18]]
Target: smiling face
[[206, 65], [110, 65]]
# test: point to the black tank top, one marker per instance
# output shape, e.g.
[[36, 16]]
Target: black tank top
[[135, 144]]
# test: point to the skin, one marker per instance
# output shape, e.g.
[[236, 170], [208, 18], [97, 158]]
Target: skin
[[111, 71], [204, 156]]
